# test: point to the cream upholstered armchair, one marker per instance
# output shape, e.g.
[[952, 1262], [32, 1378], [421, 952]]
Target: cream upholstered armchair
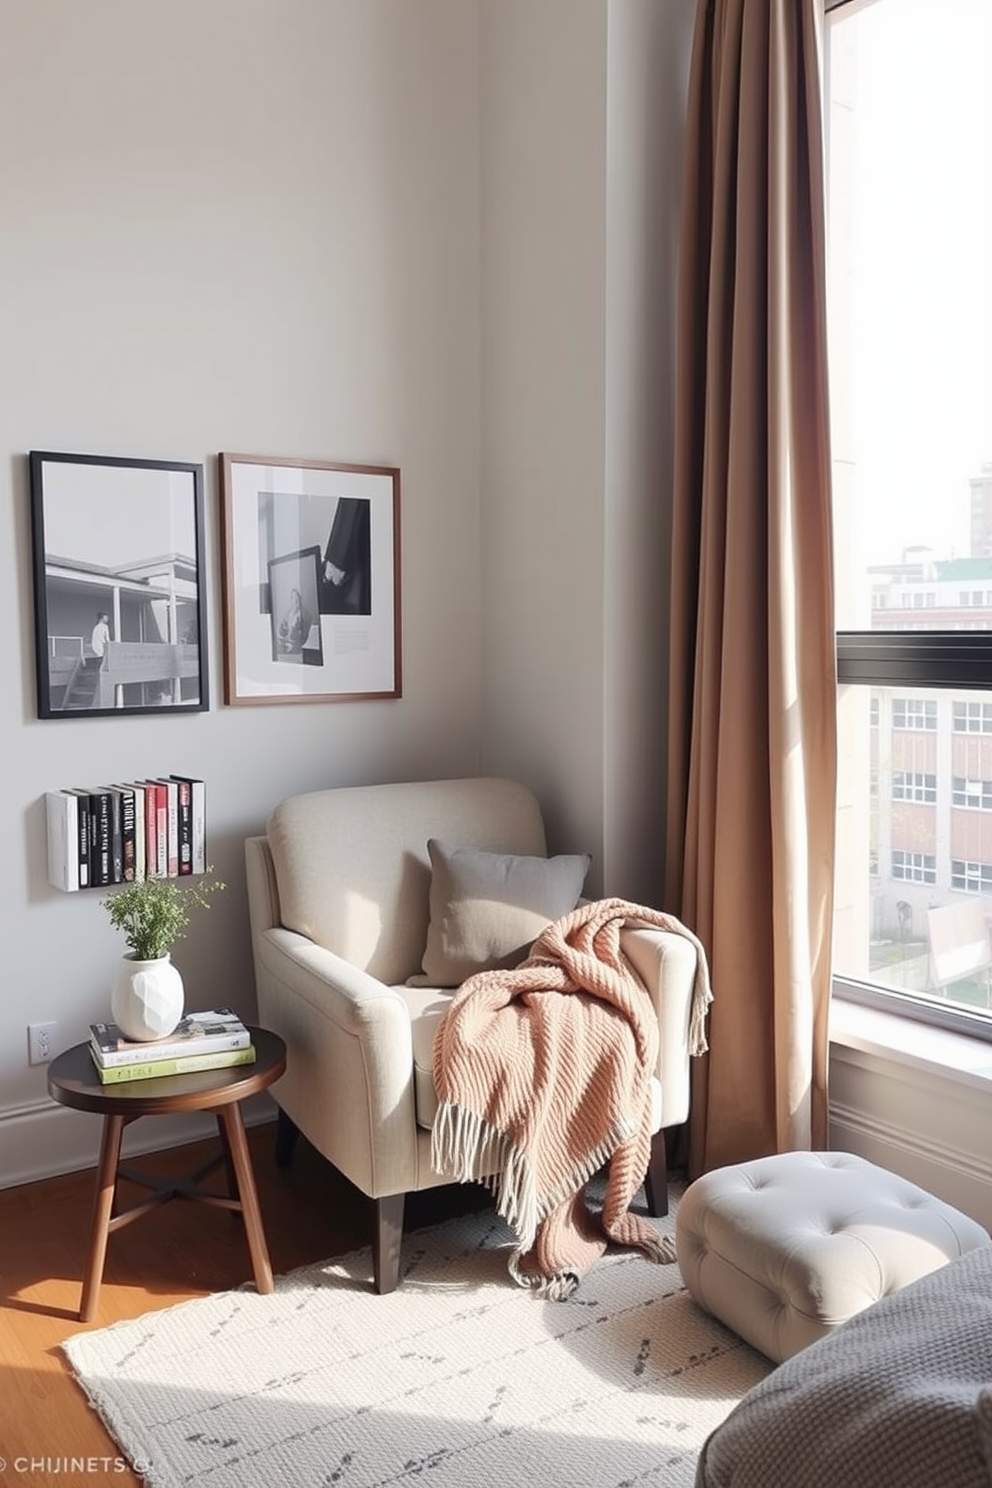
[[344, 892]]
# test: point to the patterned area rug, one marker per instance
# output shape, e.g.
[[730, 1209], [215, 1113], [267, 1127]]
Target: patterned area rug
[[458, 1379]]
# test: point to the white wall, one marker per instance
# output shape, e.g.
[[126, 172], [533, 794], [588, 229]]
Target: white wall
[[581, 146], [544, 401], [647, 78], [251, 226]]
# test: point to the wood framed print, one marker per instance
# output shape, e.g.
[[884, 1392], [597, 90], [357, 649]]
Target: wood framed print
[[311, 580], [120, 616]]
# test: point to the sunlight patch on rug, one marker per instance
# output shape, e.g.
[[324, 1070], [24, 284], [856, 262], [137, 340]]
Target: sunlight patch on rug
[[458, 1378]]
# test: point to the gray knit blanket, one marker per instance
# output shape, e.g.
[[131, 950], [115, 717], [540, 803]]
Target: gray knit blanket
[[900, 1396]]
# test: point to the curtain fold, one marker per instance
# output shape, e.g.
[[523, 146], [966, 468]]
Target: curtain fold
[[752, 747]]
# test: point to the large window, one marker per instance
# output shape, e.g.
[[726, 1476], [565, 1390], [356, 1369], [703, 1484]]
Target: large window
[[909, 179]]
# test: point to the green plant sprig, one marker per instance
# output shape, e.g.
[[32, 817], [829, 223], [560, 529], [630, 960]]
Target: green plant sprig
[[153, 913]]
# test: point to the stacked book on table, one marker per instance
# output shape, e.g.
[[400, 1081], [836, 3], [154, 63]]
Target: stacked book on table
[[202, 1041]]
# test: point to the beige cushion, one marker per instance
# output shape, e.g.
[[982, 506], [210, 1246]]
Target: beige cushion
[[486, 908], [785, 1249], [427, 1006]]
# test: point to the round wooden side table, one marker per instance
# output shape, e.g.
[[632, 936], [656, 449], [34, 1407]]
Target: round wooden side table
[[73, 1081]]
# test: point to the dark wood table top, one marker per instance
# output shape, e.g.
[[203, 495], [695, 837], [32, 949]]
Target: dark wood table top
[[73, 1081]]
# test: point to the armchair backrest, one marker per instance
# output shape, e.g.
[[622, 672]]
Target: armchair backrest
[[352, 868]]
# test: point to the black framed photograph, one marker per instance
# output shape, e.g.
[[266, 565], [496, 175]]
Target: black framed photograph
[[118, 551], [311, 580]]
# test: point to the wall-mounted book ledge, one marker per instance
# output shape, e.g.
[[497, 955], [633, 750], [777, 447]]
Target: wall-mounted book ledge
[[103, 835]]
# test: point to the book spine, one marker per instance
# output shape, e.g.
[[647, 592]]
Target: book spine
[[161, 829], [152, 1069], [151, 831], [116, 837], [63, 838], [92, 829], [83, 824], [128, 849], [162, 1049], [199, 826], [140, 841], [172, 828], [184, 818], [198, 817], [101, 835]]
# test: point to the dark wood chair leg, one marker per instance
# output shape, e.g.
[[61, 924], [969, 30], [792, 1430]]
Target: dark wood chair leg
[[387, 1236], [287, 1133], [656, 1177]]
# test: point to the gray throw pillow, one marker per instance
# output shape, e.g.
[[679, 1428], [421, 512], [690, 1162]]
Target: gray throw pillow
[[487, 908]]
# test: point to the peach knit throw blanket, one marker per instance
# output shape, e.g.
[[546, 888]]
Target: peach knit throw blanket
[[541, 1089]]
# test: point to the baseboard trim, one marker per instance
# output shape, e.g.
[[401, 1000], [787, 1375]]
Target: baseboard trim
[[971, 1167], [961, 1178], [41, 1139]]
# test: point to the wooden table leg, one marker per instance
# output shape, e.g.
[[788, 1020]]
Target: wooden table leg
[[103, 1203], [230, 1176], [237, 1146]]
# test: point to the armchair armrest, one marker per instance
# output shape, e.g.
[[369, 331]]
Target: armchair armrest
[[348, 1084], [351, 999], [666, 963]]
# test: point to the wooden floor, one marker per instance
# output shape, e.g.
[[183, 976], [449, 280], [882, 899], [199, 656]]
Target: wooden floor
[[179, 1251]]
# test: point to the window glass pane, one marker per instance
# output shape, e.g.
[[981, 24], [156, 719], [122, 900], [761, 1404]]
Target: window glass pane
[[909, 181], [914, 883], [910, 315]]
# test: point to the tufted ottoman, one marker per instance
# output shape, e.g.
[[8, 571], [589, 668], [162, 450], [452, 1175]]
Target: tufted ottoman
[[786, 1248]]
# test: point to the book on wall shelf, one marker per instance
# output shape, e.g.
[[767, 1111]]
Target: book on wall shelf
[[184, 823], [116, 835], [198, 821], [137, 793], [151, 828], [187, 1064], [100, 836], [129, 846], [158, 867], [171, 826], [62, 809], [83, 832], [101, 856], [218, 1030]]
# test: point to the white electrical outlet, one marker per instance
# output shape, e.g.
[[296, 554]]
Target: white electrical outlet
[[41, 1042]]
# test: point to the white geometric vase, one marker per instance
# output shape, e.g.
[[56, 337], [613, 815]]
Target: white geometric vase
[[146, 999]]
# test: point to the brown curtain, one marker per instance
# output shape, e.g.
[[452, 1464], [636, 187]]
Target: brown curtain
[[752, 750]]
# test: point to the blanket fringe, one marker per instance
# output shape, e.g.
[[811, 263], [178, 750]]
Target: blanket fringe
[[702, 997], [661, 1249], [469, 1149], [557, 1287]]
